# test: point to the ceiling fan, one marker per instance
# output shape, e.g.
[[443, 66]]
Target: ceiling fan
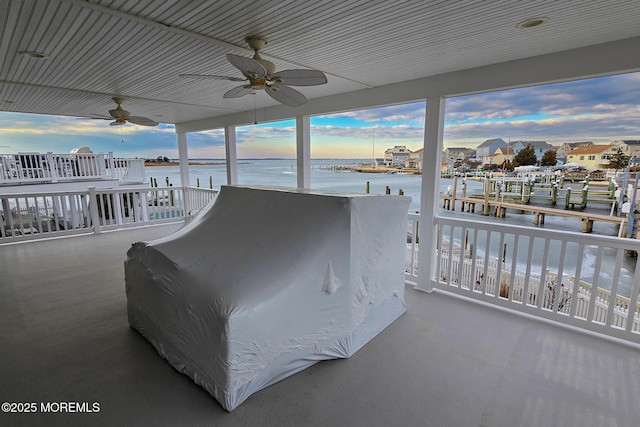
[[120, 116], [261, 75]]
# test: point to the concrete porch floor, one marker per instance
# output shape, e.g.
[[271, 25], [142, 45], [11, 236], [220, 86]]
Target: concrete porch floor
[[64, 337]]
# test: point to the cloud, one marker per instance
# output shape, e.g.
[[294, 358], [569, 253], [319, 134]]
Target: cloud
[[600, 110], [412, 113]]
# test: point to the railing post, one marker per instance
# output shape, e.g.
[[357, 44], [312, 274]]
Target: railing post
[[52, 165], [93, 208], [112, 165]]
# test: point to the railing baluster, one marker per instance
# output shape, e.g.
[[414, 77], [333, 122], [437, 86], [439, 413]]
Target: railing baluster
[[18, 216], [450, 256], [543, 275], [37, 215], [614, 288], [485, 273], [414, 241], [594, 286], [527, 275], [514, 264], [558, 289], [464, 241], [576, 283], [499, 266], [635, 289], [438, 249], [474, 264]]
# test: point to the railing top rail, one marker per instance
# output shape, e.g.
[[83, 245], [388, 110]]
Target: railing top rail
[[101, 191], [206, 190], [587, 239], [34, 153]]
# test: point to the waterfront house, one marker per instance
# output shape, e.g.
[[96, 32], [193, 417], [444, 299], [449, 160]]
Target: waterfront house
[[539, 147], [502, 155], [564, 149], [628, 146], [458, 153], [415, 160], [488, 147], [592, 156], [396, 156], [468, 351]]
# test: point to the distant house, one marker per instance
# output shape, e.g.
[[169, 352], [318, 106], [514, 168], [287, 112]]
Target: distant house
[[628, 146], [502, 155], [539, 147], [567, 147], [489, 147], [396, 156], [458, 153], [592, 156], [415, 160]]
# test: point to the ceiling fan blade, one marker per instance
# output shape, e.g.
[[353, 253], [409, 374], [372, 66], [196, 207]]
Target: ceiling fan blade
[[286, 95], [142, 121], [299, 77], [96, 116], [212, 77], [249, 67], [238, 91], [117, 123]]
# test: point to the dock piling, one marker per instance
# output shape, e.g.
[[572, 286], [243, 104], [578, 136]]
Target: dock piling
[[487, 185], [453, 194]]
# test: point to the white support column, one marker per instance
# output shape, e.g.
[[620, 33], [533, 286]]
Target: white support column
[[183, 155], [303, 151], [434, 123], [232, 155]]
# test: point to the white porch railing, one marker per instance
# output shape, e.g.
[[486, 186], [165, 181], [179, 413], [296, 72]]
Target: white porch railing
[[197, 198], [30, 168], [514, 267], [518, 268], [33, 216]]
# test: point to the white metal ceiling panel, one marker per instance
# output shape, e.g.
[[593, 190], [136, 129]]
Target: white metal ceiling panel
[[137, 48]]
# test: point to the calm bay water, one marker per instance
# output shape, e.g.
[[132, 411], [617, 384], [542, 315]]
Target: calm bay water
[[282, 172]]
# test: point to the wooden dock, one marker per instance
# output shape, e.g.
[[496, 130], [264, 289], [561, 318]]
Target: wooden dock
[[499, 209]]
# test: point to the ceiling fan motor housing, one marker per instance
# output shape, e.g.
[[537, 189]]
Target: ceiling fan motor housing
[[119, 113]]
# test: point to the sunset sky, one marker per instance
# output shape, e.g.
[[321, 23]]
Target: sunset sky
[[599, 110]]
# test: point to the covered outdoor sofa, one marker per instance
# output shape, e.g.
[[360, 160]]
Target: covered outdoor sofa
[[267, 281]]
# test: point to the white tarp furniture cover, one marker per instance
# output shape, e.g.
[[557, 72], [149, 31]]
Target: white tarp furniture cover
[[266, 281]]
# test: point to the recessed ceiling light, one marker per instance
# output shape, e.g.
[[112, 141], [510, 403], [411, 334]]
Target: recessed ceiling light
[[533, 22], [31, 54]]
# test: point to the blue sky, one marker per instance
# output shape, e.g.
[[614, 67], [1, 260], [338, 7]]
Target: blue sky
[[599, 110]]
